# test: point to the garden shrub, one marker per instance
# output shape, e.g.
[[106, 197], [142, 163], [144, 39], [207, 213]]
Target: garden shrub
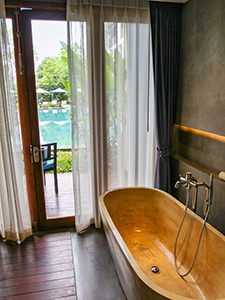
[[64, 161]]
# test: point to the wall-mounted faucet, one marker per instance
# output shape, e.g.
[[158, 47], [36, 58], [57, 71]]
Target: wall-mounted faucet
[[189, 181]]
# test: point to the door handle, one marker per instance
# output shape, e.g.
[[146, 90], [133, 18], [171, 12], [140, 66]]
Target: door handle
[[35, 154]]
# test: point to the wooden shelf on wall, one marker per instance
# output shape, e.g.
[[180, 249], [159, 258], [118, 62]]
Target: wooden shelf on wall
[[197, 166]]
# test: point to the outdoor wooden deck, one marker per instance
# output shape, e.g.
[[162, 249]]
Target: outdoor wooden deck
[[61, 204]]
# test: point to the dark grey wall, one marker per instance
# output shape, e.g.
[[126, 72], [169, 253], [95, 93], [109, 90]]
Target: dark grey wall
[[202, 91], [201, 102]]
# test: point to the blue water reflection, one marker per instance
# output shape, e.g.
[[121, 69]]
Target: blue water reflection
[[55, 126]]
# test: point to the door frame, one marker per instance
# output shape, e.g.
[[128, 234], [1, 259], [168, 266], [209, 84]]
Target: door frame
[[28, 111]]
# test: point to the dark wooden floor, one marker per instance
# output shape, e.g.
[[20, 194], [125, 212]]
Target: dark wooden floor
[[41, 268]]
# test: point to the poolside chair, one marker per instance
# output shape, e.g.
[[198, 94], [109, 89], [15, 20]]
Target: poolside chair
[[49, 161]]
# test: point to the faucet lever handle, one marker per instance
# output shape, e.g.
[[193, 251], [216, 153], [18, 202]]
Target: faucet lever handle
[[188, 175], [195, 198]]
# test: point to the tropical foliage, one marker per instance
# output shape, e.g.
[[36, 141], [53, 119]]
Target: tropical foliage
[[52, 73], [64, 161]]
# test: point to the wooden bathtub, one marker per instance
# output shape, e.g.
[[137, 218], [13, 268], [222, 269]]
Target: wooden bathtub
[[141, 226]]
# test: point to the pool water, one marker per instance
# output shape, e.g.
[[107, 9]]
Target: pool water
[[55, 126]]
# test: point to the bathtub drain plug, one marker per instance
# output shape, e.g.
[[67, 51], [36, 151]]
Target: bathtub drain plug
[[155, 269]]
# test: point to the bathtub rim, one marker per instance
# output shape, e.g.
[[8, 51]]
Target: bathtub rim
[[142, 276]]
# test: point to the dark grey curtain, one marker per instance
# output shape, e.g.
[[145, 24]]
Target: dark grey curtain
[[166, 25]]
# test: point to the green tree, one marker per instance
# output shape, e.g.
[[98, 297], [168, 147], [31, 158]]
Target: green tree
[[52, 73]]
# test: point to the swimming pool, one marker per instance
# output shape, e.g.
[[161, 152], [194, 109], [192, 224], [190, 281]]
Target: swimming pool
[[55, 126]]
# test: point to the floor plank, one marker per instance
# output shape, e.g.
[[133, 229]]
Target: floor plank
[[26, 265], [36, 287], [18, 252], [30, 260], [33, 271], [38, 244], [50, 294], [18, 281]]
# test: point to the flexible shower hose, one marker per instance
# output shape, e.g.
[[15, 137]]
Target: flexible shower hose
[[199, 240]]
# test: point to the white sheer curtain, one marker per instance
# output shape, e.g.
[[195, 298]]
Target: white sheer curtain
[[111, 88], [14, 210], [81, 143], [130, 109]]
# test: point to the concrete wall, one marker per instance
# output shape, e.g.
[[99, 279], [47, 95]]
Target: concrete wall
[[202, 97], [202, 91]]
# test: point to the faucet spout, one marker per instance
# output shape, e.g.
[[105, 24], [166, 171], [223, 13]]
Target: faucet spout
[[180, 182], [177, 184], [183, 180]]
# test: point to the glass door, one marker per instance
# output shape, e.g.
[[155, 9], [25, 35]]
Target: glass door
[[54, 115], [43, 92]]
